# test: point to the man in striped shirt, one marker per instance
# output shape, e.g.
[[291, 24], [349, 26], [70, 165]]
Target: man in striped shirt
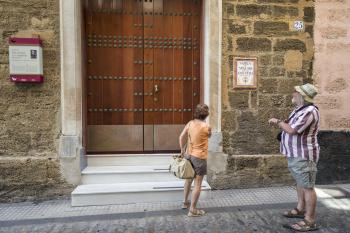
[[299, 144]]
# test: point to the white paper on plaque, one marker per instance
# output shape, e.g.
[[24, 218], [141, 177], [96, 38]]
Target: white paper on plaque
[[245, 73], [25, 59]]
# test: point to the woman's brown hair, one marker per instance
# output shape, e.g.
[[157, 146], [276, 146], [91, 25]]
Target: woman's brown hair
[[201, 112]]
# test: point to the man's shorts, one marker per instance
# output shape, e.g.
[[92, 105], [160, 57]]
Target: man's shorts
[[303, 171], [199, 165]]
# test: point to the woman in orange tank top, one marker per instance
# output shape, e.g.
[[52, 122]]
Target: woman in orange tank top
[[197, 133]]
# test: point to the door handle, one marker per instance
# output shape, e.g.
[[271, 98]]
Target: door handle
[[156, 88]]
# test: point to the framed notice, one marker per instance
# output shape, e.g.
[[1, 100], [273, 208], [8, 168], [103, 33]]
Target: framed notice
[[245, 73], [25, 60]]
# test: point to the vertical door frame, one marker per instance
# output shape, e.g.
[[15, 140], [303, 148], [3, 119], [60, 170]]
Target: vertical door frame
[[71, 148]]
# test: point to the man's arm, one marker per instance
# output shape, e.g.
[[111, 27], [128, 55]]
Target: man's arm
[[286, 127], [283, 125]]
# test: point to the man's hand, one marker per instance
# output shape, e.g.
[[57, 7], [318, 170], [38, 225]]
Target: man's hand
[[273, 121]]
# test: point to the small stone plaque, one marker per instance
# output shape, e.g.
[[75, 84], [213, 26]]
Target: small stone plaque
[[245, 75]]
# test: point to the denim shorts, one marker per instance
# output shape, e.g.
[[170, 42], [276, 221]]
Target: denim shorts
[[303, 171], [199, 165]]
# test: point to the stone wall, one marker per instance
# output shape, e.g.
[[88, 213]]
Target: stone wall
[[332, 69], [29, 113], [262, 29]]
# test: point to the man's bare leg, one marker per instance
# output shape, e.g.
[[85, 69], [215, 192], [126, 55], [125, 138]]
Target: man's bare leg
[[310, 207], [310, 201], [301, 199]]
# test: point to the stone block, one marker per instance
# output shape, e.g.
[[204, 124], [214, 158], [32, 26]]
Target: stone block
[[230, 9], [253, 99], [282, 11], [271, 28], [226, 140], [247, 162], [28, 171], [252, 10], [274, 101], [51, 57], [40, 141], [310, 29], [239, 99], [277, 71], [229, 120], [290, 44], [236, 28], [278, 60], [229, 45], [15, 141], [253, 44], [286, 85], [309, 14], [264, 60], [246, 178], [268, 85], [293, 60], [247, 120], [4, 56], [263, 72], [278, 1]]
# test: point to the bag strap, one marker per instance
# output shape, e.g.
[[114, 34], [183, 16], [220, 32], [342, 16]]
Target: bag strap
[[189, 136]]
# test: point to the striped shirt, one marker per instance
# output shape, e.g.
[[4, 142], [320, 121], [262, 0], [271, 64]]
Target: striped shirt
[[304, 144]]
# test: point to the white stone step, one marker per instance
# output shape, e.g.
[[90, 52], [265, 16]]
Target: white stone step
[[126, 174], [129, 159], [126, 193]]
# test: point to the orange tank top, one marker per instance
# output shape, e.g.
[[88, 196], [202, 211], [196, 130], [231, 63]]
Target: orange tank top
[[198, 134]]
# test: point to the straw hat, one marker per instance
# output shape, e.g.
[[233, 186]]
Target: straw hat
[[308, 91]]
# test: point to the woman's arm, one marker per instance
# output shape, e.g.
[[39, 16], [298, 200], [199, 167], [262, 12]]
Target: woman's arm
[[183, 139]]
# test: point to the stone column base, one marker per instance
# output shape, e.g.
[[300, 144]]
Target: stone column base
[[72, 158]]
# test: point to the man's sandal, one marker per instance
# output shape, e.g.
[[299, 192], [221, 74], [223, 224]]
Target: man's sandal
[[186, 205], [296, 214], [196, 213], [303, 226]]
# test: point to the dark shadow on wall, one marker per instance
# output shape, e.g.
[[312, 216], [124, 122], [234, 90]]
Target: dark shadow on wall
[[334, 163]]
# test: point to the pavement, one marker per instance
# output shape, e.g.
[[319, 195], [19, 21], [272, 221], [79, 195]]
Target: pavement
[[235, 210]]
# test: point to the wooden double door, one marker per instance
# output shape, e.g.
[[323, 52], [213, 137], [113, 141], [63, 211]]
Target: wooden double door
[[142, 72]]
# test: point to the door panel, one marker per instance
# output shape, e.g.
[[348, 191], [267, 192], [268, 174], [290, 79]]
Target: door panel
[[143, 72]]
